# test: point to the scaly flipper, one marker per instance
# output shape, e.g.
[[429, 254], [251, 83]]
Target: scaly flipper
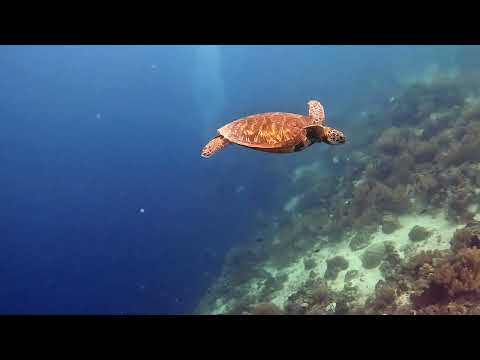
[[315, 110], [215, 145]]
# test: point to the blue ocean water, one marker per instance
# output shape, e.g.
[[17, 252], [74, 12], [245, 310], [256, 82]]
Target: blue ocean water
[[107, 206]]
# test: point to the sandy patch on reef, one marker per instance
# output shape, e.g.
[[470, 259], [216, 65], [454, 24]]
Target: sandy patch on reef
[[297, 275], [442, 232], [305, 170]]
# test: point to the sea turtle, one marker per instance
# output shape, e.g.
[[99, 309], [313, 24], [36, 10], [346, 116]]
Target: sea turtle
[[276, 132]]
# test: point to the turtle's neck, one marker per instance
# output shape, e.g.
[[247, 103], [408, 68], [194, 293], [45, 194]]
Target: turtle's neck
[[316, 133]]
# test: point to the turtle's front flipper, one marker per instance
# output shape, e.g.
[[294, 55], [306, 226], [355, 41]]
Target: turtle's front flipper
[[216, 144], [316, 111]]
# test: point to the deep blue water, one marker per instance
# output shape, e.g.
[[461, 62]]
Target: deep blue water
[[90, 135]]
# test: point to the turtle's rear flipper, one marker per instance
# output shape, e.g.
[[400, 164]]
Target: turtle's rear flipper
[[216, 144]]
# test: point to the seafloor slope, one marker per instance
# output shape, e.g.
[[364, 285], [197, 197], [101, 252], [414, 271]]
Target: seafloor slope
[[395, 232]]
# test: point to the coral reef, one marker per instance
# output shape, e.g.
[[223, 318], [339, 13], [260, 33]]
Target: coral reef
[[420, 100], [266, 309], [418, 155], [385, 295], [294, 308], [425, 151], [241, 264], [269, 284], [439, 282], [372, 198], [395, 140], [458, 206], [350, 275], [426, 185], [391, 265], [460, 274], [452, 308], [468, 237], [471, 112]]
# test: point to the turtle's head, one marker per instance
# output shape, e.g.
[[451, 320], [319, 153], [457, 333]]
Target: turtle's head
[[333, 136]]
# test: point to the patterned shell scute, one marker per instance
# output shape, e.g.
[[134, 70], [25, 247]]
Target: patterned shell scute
[[267, 130]]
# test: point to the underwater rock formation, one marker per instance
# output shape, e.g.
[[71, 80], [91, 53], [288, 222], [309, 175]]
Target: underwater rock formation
[[360, 240], [390, 224], [334, 266], [309, 263], [373, 255], [418, 233]]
